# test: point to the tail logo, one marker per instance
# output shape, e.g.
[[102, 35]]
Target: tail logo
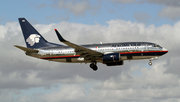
[[32, 39]]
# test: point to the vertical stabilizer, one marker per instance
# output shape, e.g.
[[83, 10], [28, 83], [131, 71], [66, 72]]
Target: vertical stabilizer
[[32, 37]]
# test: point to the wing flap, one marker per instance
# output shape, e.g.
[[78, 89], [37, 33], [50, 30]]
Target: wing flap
[[78, 49]]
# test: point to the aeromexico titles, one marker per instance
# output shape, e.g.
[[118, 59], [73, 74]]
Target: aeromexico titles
[[110, 54]]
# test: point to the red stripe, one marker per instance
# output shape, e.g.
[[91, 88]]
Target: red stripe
[[60, 57], [142, 52], [120, 53]]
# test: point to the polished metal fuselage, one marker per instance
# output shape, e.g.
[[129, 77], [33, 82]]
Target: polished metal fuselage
[[127, 51]]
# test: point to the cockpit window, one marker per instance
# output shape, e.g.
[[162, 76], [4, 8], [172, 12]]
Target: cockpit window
[[157, 46]]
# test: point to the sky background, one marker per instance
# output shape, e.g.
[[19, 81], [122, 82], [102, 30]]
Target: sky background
[[27, 79]]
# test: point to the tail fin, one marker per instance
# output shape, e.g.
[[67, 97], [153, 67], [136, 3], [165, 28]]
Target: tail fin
[[32, 37]]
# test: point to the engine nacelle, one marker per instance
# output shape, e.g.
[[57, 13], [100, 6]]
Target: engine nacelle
[[115, 63], [112, 59]]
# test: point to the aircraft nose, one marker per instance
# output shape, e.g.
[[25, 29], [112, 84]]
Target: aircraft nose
[[165, 50]]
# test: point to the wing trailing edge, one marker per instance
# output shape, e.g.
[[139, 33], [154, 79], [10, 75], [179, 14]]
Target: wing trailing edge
[[78, 48]]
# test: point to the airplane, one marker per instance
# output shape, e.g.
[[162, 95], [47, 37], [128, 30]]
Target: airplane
[[111, 54]]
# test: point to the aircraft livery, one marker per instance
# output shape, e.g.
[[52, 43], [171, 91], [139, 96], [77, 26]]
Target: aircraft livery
[[111, 54]]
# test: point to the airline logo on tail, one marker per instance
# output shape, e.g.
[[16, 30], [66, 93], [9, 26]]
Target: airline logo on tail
[[32, 39]]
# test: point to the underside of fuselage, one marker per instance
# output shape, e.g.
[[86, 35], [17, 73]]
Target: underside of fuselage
[[75, 60], [69, 58]]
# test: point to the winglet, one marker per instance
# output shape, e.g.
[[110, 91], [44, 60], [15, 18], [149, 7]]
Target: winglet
[[59, 36]]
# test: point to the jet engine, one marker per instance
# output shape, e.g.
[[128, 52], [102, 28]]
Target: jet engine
[[112, 59]]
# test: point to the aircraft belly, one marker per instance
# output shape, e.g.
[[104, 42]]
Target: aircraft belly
[[71, 60], [140, 55], [75, 60], [58, 60], [143, 57], [137, 57]]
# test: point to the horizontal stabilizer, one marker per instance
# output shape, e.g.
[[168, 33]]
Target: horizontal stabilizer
[[27, 49]]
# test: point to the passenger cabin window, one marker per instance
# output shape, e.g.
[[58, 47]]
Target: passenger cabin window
[[134, 44], [138, 44]]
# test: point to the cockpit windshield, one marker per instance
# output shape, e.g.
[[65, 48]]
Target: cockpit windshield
[[157, 46]]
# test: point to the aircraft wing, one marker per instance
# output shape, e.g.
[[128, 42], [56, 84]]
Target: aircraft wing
[[82, 51]]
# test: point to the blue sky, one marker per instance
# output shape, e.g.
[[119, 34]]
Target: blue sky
[[26, 79], [48, 11]]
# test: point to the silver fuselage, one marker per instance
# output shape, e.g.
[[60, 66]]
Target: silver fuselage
[[127, 51]]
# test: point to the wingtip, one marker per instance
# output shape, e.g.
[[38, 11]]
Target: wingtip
[[59, 36]]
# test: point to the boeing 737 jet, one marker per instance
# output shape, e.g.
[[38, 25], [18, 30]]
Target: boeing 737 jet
[[110, 54]]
